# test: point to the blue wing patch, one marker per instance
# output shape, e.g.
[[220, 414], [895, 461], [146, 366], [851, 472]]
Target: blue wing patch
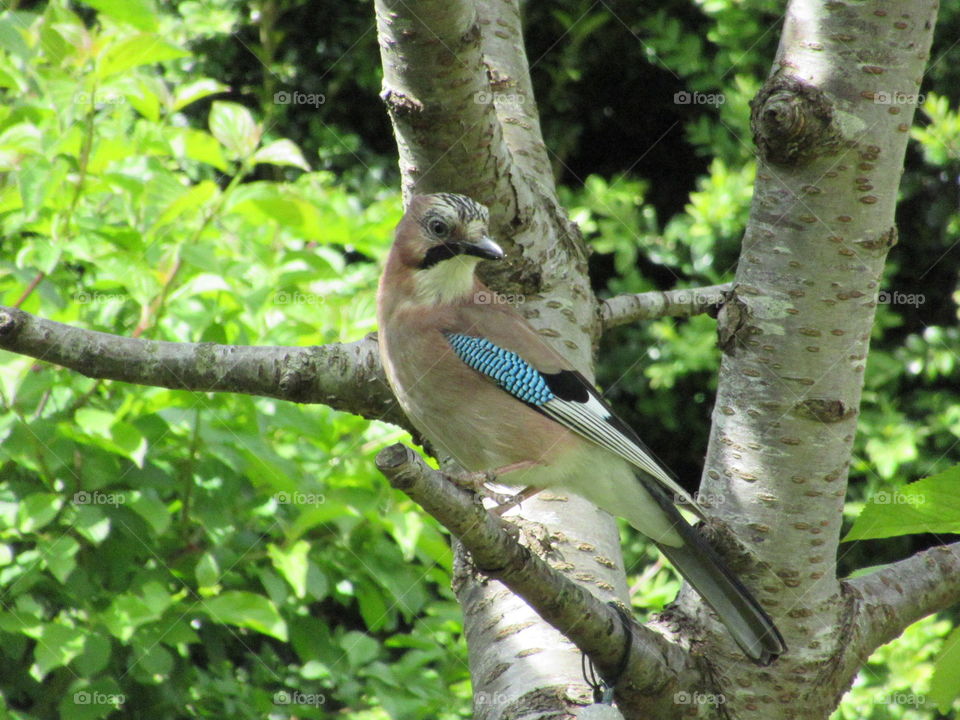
[[510, 371]]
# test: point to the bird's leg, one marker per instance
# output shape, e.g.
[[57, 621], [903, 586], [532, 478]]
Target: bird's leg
[[509, 502], [476, 481], [522, 465], [512, 502]]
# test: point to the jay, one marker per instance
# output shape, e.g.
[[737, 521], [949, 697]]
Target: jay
[[482, 386]]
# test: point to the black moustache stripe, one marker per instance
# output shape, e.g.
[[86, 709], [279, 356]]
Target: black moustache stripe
[[439, 253]]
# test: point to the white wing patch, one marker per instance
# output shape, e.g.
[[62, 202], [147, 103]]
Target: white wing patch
[[591, 420]]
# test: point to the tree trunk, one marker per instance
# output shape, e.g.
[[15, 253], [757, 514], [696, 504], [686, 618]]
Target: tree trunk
[[831, 126]]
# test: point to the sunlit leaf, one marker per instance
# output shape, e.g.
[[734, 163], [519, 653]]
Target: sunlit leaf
[[248, 610], [233, 125]]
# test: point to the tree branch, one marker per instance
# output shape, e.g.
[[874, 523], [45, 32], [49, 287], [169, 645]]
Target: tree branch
[[345, 376], [898, 595], [655, 669], [436, 89], [510, 88], [628, 308]]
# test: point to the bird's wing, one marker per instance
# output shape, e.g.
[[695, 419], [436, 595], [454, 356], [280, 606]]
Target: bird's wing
[[524, 366]]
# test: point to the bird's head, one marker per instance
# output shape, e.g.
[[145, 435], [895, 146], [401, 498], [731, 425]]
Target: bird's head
[[439, 242]]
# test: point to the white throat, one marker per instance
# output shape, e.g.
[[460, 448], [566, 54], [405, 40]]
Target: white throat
[[447, 281]]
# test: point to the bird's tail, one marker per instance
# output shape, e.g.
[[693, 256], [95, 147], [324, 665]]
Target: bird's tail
[[738, 610]]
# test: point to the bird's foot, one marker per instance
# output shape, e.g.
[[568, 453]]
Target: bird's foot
[[477, 482]]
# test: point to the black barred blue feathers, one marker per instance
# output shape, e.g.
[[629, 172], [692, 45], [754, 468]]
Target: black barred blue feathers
[[511, 372]]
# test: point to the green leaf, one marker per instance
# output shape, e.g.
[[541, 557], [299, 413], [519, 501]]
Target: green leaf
[[193, 200], [207, 571], [56, 47], [139, 13], [23, 137], [42, 254], [91, 523], [33, 183], [148, 506], [93, 421], [373, 605], [292, 563], [57, 645], [128, 612], [59, 554], [281, 152], [37, 510], [234, 127], [248, 610], [129, 442], [199, 146], [931, 505], [191, 92], [360, 648], [945, 683], [155, 660], [147, 98], [140, 49], [12, 30], [96, 653], [263, 202]]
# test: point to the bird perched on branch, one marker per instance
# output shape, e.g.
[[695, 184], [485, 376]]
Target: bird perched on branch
[[479, 382]]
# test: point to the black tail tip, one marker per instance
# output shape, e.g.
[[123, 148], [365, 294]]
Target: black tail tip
[[771, 647]]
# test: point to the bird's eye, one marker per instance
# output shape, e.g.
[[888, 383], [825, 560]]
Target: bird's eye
[[438, 227]]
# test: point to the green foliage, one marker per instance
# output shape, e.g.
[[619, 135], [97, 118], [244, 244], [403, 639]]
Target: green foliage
[[896, 682], [930, 505], [191, 554], [946, 673]]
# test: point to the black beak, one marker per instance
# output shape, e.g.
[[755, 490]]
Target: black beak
[[484, 248]]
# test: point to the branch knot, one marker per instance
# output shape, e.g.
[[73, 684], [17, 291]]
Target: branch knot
[[793, 122]]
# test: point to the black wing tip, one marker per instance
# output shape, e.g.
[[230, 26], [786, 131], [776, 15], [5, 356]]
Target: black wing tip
[[568, 385]]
